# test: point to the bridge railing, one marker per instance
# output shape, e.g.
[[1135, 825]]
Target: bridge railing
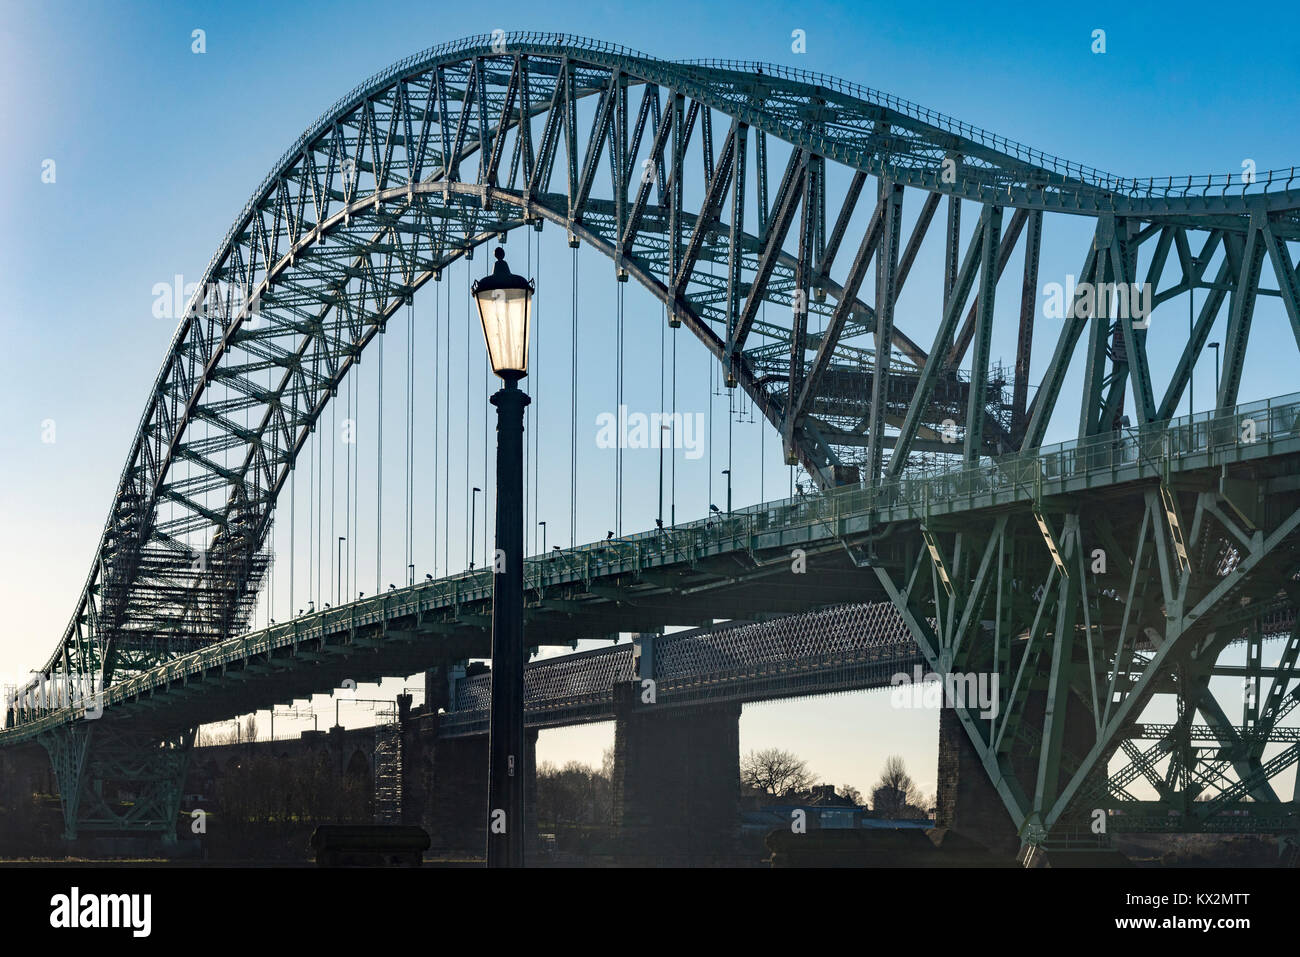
[[1147, 451], [1134, 187], [1131, 186], [1152, 450]]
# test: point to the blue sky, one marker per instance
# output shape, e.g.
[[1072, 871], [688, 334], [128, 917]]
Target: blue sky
[[156, 150]]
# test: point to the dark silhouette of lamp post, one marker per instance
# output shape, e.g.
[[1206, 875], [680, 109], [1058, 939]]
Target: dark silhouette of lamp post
[[504, 302]]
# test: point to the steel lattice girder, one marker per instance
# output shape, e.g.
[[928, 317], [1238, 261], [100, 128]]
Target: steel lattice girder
[[1104, 621], [119, 780], [373, 201], [734, 566], [1082, 646], [845, 647]]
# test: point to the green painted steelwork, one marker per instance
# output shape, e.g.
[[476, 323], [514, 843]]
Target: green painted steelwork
[[379, 196]]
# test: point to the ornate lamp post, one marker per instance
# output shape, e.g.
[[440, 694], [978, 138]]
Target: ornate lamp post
[[504, 304]]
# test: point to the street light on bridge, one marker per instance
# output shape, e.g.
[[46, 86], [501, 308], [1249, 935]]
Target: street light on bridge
[[1215, 347], [1191, 335], [473, 511], [504, 302], [338, 579]]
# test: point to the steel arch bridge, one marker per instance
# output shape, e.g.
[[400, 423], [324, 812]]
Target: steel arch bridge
[[761, 171]]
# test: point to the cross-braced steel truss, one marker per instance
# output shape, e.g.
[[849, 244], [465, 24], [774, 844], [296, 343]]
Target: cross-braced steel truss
[[1085, 609], [718, 186]]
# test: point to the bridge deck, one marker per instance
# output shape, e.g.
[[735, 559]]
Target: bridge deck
[[732, 566], [847, 648]]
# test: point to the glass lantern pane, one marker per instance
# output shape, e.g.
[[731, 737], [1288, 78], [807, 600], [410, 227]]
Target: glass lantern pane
[[505, 328]]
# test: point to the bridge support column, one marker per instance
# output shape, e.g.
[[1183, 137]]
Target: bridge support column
[[966, 801], [67, 747], [676, 779], [530, 792], [440, 686], [25, 773], [444, 787], [116, 782], [455, 801]]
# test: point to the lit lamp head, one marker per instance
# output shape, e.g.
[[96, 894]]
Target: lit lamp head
[[504, 305]]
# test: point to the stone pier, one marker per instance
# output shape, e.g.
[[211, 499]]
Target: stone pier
[[676, 780]]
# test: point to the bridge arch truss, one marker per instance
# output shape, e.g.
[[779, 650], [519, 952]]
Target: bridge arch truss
[[719, 187]]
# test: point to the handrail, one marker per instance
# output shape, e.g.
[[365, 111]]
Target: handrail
[[1169, 442]]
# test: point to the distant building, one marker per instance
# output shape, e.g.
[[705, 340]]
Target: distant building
[[822, 807]]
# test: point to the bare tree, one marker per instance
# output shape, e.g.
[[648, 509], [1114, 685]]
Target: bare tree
[[250, 728], [575, 794], [221, 735], [895, 794], [775, 771], [852, 793], [894, 775]]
